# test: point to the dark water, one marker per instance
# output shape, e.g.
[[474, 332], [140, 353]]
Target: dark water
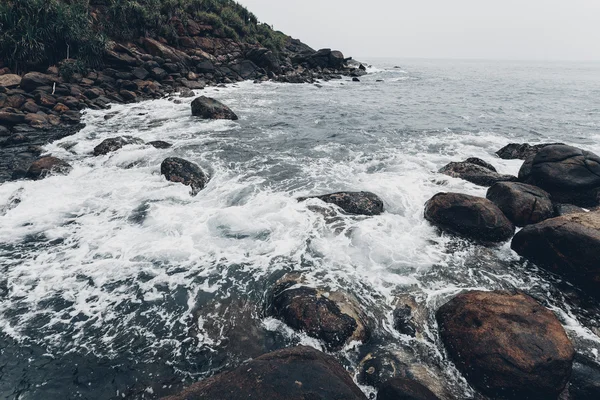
[[117, 284]]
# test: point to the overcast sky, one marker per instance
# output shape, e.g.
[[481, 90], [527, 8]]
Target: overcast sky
[[489, 29]]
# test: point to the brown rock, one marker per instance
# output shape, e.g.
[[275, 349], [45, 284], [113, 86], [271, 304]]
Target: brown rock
[[30, 106], [506, 344], [34, 80], [45, 99], [404, 389], [38, 120], [60, 108], [298, 373], [15, 101], [473, 217], [10, 80], [11, 118], [521, 203], [45, 166], [209, 108], [128, 95]]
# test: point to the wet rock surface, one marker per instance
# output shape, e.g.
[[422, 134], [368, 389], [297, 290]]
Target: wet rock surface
[[475, 171], [46, 166], [298, 373], [569, 174], [404, 389], [209, 108], [179, 170], [469, 216], [561, 209], [506, 344], [521, 151], [160, 144], [521, 203], [567, 245], [359, 203], [113, 144]]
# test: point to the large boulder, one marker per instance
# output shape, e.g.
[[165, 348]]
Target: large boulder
[[518, 151], [506, 344], [472, 217], [183, 171], [34, 80], [208, 108], [298, 373], [10, 81], [404, 389], [569, 174], [113, 144], [475, 171], [567, 245], [359, 203], [333, 317], [46, 166], [264, 58], [521, 203]]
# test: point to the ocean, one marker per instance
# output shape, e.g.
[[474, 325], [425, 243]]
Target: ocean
[[115, 283]]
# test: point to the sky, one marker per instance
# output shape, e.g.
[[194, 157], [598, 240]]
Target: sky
[[475, 29]]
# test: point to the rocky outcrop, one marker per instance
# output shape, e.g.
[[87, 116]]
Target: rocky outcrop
[[404, 389], [567, 245], [475, 171], [469, 216], [46, 166], [208, 108], [569, 174], [358, 203], [333, 317], [183, 171], [113, 144], [298, 373], [521, 203], [518, 151], [506, 344]]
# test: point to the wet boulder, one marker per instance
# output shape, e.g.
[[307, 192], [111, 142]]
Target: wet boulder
[[568, 246], [358, 203], [208, 108], [298, 373], [469, 216], [160, 144], [521, 203], [561, 209], [521, 151], [34, 80], [45, 166], [183, 171], [475, 171], [506, 344], [569, 174], [404, 389], [113, 144], [585, 380], [333, 317], [481, 163]]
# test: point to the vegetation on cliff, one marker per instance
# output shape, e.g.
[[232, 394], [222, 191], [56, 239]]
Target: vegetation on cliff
[[38, 33]]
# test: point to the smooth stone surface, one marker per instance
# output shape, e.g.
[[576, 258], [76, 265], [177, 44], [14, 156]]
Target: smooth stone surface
[[183, 171], [478, 173], [521, 203], [208, 108], [358, 203]]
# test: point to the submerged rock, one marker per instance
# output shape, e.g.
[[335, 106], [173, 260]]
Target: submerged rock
[[182, 171], [475, 171], [159, 144], [359, 203], [569, 174], [518, 151], [113, 144], [567, 245], [298, 373], [521, 203], [506, 344], [473, 217], [404, 389], [208, 108], [333, 317], [46, 166]]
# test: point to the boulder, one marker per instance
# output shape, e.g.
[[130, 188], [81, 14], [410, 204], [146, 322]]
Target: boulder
[[481, 163], [159, 144], [140, 73], [34, 80], [506, 344], [333, 317], [182, 171], [208, 108], [164, 51], [11, 118], [10, 81], [476, 172], [45, 166], [404, 389], [298, 373], [469, 216], [518, 151], [264, 58], [585, 380], [358, 203], [521, 203], [113, 144], [561, 209], [569, 174], [567, 245]]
